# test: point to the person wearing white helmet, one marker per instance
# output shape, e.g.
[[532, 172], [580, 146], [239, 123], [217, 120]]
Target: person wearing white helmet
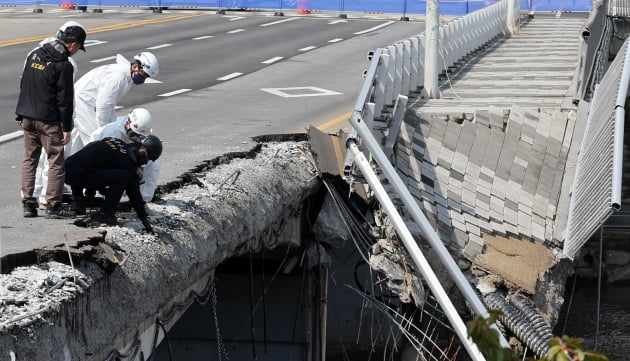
[[133, 128], [97, 93]]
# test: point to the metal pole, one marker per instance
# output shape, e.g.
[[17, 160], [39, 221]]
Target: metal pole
[[416, 254], [429, 233], [620, 114], [431, 57]]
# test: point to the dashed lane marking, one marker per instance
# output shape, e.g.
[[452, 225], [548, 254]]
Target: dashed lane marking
[[175, 92], [278, 22], [273, 60], [159, 46], [307, 48], [229, 76], [103, 59]]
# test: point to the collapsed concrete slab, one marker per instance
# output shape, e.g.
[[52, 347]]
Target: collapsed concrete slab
[[80, 309]]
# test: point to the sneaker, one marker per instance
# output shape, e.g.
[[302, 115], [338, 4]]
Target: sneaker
[[106, 219], [77, 207], [42, 206], [29, 208], [57, 212]]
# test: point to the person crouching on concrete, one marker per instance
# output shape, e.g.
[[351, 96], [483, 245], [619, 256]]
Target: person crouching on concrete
[[111, 164], [131, 128]]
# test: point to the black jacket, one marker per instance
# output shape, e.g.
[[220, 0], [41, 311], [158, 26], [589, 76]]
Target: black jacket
[[46, 88], [112, 153]]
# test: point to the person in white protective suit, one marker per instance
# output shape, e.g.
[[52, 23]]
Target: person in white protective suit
[[98, 92], [41, 175], [133, 128]]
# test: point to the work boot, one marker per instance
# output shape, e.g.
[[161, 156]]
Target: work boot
[[77, 207], [106, 219], [29, 208], [57, 212]]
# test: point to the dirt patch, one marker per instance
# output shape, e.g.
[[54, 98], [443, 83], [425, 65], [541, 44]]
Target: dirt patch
[[517, 261]]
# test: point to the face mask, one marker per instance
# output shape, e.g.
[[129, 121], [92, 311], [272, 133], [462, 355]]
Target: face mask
[[137, 78], [135, 137]]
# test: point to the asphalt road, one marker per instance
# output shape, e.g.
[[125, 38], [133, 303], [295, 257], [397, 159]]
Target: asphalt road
[[314, 86]]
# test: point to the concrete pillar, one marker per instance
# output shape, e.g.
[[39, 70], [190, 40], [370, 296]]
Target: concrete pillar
[[432, 54]]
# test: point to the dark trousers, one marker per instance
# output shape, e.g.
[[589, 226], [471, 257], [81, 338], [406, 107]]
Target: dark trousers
[[115, 180]]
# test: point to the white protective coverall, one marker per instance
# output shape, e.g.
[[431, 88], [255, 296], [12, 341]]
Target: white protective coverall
[[96, 95], [150, 172]]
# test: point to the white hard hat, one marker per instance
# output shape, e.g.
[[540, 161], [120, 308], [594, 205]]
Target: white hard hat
[[148, 62], [70, 23], [140, 121]]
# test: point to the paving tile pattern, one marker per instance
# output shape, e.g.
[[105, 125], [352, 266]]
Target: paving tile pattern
[[489, 156]]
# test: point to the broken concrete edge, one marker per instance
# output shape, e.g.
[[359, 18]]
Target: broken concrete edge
[[60, 254], [197, 228]]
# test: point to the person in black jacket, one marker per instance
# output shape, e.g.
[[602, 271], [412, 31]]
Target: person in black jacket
[[111, 164], [44, 111]]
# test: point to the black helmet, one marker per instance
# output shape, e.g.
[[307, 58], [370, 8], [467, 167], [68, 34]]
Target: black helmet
[[153, 146]]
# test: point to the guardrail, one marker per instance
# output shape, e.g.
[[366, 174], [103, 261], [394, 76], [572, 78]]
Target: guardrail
[[597, 188], [447, 7], [394, 72]]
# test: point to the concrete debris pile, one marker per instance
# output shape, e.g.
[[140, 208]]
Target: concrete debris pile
[[28, 292], [56, 312]]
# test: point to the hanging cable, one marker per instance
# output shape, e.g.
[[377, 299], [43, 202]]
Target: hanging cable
[[168, 340], [251, 300], [599, 285], [264, 306], [566, 317]]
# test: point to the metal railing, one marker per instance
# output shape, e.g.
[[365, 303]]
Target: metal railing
[[394, 72], [596, 190]]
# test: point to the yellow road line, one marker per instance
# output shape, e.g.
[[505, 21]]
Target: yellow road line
[[335, 121], [103, 28]]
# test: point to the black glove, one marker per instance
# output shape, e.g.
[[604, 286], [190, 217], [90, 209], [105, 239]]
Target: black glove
[[147, 226]]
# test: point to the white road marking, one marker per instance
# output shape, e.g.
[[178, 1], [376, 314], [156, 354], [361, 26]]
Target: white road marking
[[307, 48], [374, 28], [11, 136], [333, 22], [335, 40], [93, 42], [302, 91], [102, 59], [203, 37], [278, 22], [237, 18], [159, 46], [273, 60], [175, 92], [235, 31], [230, 76]]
